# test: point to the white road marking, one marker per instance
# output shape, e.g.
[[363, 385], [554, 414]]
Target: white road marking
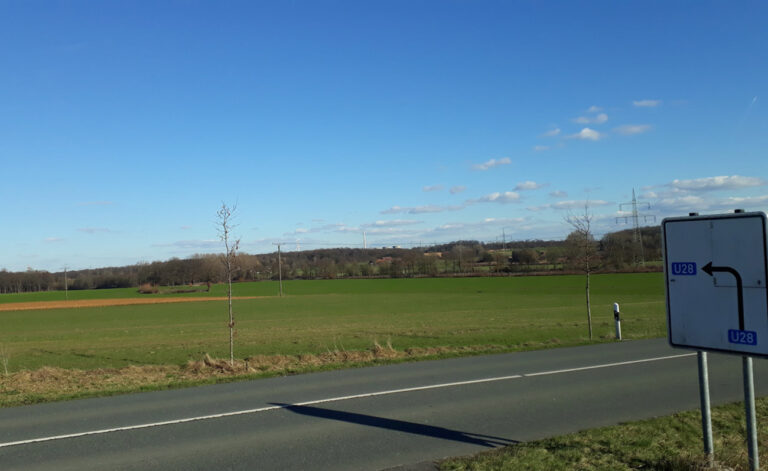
[[608, 365], [331, 399]]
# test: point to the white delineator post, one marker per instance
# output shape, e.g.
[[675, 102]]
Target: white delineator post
[[617, 318]]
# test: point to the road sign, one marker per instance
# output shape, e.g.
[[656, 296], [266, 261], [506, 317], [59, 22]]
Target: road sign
[[716, 269]]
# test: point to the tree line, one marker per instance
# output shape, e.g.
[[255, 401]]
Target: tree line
[[615, 251]]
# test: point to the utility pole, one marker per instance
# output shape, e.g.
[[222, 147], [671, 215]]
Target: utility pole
[[638, 254]]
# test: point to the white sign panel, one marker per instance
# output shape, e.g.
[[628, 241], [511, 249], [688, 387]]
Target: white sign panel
[[716, 269]]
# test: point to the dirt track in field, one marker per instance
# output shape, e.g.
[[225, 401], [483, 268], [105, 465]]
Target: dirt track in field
[[106, 302]]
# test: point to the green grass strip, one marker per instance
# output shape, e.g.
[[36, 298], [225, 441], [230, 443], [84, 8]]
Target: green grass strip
[[671, 443]]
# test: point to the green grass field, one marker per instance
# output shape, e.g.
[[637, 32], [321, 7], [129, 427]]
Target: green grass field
[[510, 314]]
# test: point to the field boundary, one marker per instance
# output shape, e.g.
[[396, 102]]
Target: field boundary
[[81, 303]]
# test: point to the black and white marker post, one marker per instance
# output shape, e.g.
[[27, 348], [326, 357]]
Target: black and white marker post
[[617, 319]]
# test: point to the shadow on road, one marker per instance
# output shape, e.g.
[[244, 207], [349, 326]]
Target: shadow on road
[[399, 425]]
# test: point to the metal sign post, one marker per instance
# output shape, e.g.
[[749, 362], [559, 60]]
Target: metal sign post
[[716, 272], [749, 405], [706, 416]]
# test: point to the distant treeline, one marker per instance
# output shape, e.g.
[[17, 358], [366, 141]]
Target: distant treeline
[[616, 251]]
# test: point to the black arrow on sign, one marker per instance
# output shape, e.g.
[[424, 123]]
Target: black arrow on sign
[[709, 270]]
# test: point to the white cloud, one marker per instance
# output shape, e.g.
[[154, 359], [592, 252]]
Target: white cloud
[[646, 103], [586, 134], [675, 205], [558, 194], [716, 183], [630, 129], [432, 188], [551, 133], [420, 209], [599, 119], [540, 148], [746, 201], [492, 163], [529, 185], [457, 189], [497, 197], [594, 109]]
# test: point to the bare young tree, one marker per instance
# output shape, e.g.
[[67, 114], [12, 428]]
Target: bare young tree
[[224, 225], [585, 251], [5, 356]]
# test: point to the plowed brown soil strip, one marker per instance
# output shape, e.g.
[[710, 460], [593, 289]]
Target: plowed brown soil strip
[[106, 302]]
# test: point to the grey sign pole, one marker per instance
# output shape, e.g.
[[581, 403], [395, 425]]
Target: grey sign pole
[[749, 404], [706, 417]]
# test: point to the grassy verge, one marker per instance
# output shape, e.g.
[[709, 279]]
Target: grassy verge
[[671, 443], [49, 384]]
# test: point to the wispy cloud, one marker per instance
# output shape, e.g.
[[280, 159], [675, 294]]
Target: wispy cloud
[[703, 202], [209, 244], [497, 197], [528, 185], [464, 229], [333, 227], [594, 109], [630, 129], [558, 194], [732, 182], [457, 189], [420, 209], [392, 223], [432, 188], [551, 133], [540, 148], [94, 230], [492, 163], [599, 119], [586, 134], [53, 240], [646, 103], [569, 205]]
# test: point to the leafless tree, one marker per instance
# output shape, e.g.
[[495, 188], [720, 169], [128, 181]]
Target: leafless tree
[[585, 251], [5, 356], [225, 214]]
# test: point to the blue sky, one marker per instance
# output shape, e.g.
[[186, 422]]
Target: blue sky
[[125, 125]]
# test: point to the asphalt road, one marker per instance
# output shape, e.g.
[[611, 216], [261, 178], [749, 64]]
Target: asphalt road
[[369, 418]]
